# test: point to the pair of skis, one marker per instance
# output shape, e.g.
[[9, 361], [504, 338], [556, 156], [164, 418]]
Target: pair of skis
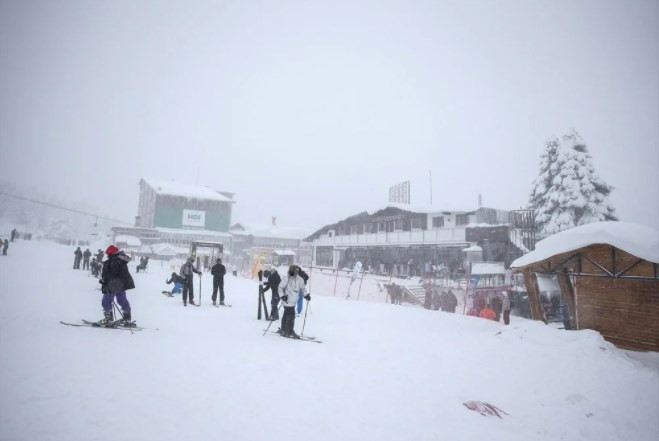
[[302, 337], [116, 325]]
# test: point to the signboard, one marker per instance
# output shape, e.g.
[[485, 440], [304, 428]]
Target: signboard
[[193, 218], [400, 193]]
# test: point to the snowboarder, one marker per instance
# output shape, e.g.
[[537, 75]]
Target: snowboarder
[[144, 261], [273, 282], [218, 271], [115, 281], [187, 272], [77, 257], [178, 284], [85, 259], [290, 289], [4, 247]]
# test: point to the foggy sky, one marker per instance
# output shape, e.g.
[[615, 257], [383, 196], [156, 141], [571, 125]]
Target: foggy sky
[[310, 110]]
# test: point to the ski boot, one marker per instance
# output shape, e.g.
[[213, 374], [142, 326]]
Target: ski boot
[[108, 319], [293, 335], [221, 303], [127, 322], [214, 304]]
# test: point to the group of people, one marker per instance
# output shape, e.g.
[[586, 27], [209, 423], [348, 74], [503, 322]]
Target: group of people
[[94, 265], [184, 281], [492, 308], [289, 291]]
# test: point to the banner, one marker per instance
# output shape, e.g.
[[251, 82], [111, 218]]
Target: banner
[[193, 218]]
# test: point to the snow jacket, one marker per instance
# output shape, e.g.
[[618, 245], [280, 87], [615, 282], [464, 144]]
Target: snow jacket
[[273, 282], [218, 271], [487, 313], [115, 276], [506, 303], [87, 254], [292, 286], [187, 270]]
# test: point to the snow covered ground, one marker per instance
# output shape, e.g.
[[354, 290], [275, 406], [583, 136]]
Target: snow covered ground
[[383, 372]]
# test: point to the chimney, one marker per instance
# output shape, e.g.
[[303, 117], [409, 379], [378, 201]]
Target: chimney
[[480, 200], [274, 221]]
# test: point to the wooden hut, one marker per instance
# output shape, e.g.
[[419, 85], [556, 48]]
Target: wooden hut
[[608, 273]]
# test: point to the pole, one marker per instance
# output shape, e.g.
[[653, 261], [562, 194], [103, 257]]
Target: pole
[[336, 279], [199, 301], [360, 285], [305, 317], [430, 173], [272, 321]]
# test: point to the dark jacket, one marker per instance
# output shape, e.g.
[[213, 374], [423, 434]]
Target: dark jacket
[[218, 271], [78, 253], [176, 279], [273, 282], [87, 254], [115, 276]]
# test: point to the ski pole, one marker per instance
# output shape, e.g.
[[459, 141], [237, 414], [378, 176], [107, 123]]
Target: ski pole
[[305, 317], [199, 304], [114, 305], [272, 321]]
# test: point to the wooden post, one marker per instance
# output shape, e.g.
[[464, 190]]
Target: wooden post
[[567, 294], [531, 282]]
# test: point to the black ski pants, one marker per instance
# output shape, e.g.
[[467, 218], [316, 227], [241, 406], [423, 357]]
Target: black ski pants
[[288, 320], [188, 290], [274, 303], [85, 264], [218, 284]]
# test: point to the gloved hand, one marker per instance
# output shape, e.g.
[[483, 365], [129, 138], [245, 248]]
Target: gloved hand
[[284, 298], [101, 281], [308, 297]]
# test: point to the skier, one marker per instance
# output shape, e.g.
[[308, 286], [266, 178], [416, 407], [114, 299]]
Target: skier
[[95, 267], [187, 272], [289, 290], [99, 256], [77, 257], [4, 247], [115, 280], [273, 282], [218, 271], [14, 234], [506, 308], [356, 270], [85, 259], [178, 284], [144, 261]]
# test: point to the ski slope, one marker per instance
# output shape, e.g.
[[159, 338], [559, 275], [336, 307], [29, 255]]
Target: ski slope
[[383, 372]]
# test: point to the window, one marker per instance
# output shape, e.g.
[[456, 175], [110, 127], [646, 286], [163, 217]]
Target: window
[[382, 227], [398, 225], [462, 219], [353, 229], [438, 222], [416, 224]]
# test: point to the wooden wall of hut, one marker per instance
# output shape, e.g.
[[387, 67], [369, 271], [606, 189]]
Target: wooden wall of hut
[[625, 312]]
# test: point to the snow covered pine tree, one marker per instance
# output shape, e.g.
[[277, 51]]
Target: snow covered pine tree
[[568, 192]]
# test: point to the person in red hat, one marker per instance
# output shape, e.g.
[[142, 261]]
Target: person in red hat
[[115, 281]]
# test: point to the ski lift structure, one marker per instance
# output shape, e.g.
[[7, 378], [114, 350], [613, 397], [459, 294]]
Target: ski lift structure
[[210, 250]]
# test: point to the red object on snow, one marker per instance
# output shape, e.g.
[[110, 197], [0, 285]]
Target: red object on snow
[[486, 409]]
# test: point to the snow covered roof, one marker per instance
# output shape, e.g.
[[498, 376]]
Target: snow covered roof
[[173, 188], [271, 231], [193, 232], [487, 268], [475, 248], [423, 208], [638, 240], [286, 252], [131, 241]]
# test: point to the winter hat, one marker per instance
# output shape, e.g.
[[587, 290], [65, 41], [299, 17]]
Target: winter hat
[[111, 250]]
